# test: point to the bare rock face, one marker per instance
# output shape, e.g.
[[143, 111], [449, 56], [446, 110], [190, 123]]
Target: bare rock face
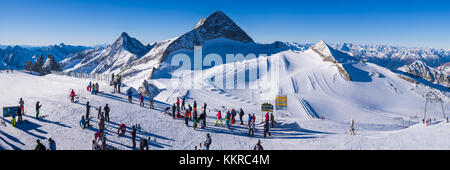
[[331, 55], [420, 69]]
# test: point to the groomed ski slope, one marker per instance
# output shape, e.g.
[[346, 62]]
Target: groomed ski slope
[[371, 101]]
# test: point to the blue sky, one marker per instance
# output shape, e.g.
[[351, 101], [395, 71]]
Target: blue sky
[[414, 23]]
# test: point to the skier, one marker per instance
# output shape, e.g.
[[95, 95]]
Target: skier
[[100, 113], [195, 104], [37, 109], [251, 129], [88, 109], [183, 100], [203, 119], [233, 114], [141, 98], [13, 115], [103, 143], [83, 122], [51, 144], [130, 95], [22, 105], [178, 104], [93, 89], [272, 119], [173, 110], [106, 109], [151, 102], [219, 117], [95, 145], [143, 144], [254, 118], [133, 136], [204, 106], [189, 111], [89, 87], [258, 146], [115, 86], [208, 141], [121, 130], [39, 146], [101, 126], [266, 120], [119, 83], [96, 88], [72, 96], [241, 114], [194, 116], [227, 119], [266, 129], [250, 117], [352, 129], [19, 115], [186, 117]]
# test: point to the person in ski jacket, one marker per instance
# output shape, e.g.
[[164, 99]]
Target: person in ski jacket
[[107, 110], [241, 114], [38, 107], [51, 144], [72, 96], [186, 117], [122, 129], [151, 102], [208, 141], [89, 87], [251, 129], [233, 114], [272, 119], [19, 115], [97, 88], [133, 136], [183, 101], [266, 129], [82, 122], [173, 110], [254, 118], [39, 146], [258, 146], [219, 118], [119, 84], [93, 89], [143, 144], [227, 119], [178, 102], [195, 117], [101, 126], [141, 99], [95, 145], [88, 110], [13, 116], [130, 95], [100, 113], [195, 104], [203, 119], [22, 103], [250, 117], [266, 117]]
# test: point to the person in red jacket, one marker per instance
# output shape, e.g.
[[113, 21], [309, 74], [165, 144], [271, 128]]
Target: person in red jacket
[[72, 95], [121, 129], [267, 117], [219, 117]]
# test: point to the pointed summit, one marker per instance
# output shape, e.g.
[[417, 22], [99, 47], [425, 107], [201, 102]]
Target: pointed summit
[[220, 25], [130, 44], [200, 23], [322, 48]]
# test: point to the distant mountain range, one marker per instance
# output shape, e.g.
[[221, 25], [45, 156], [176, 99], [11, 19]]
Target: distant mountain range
[[218, 34]]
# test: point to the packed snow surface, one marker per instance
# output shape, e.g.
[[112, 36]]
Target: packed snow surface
[[315, 88]]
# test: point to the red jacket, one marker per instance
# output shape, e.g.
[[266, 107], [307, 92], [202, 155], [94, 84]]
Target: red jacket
[[178, 101], [267, 116], [219, 115], [72, 94]]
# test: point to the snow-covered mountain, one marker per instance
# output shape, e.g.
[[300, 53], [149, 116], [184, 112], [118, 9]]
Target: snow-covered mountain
[[388, 56], [445, 68], [17, 56], [420, 69], [122, 52]]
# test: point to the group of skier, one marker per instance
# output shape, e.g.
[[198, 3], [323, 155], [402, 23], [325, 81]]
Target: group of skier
[[93, 88], [190, 113], [41, 147], [116, 81]]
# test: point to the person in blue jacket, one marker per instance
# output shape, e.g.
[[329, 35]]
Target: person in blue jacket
[[130, 95], [82, 122]]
